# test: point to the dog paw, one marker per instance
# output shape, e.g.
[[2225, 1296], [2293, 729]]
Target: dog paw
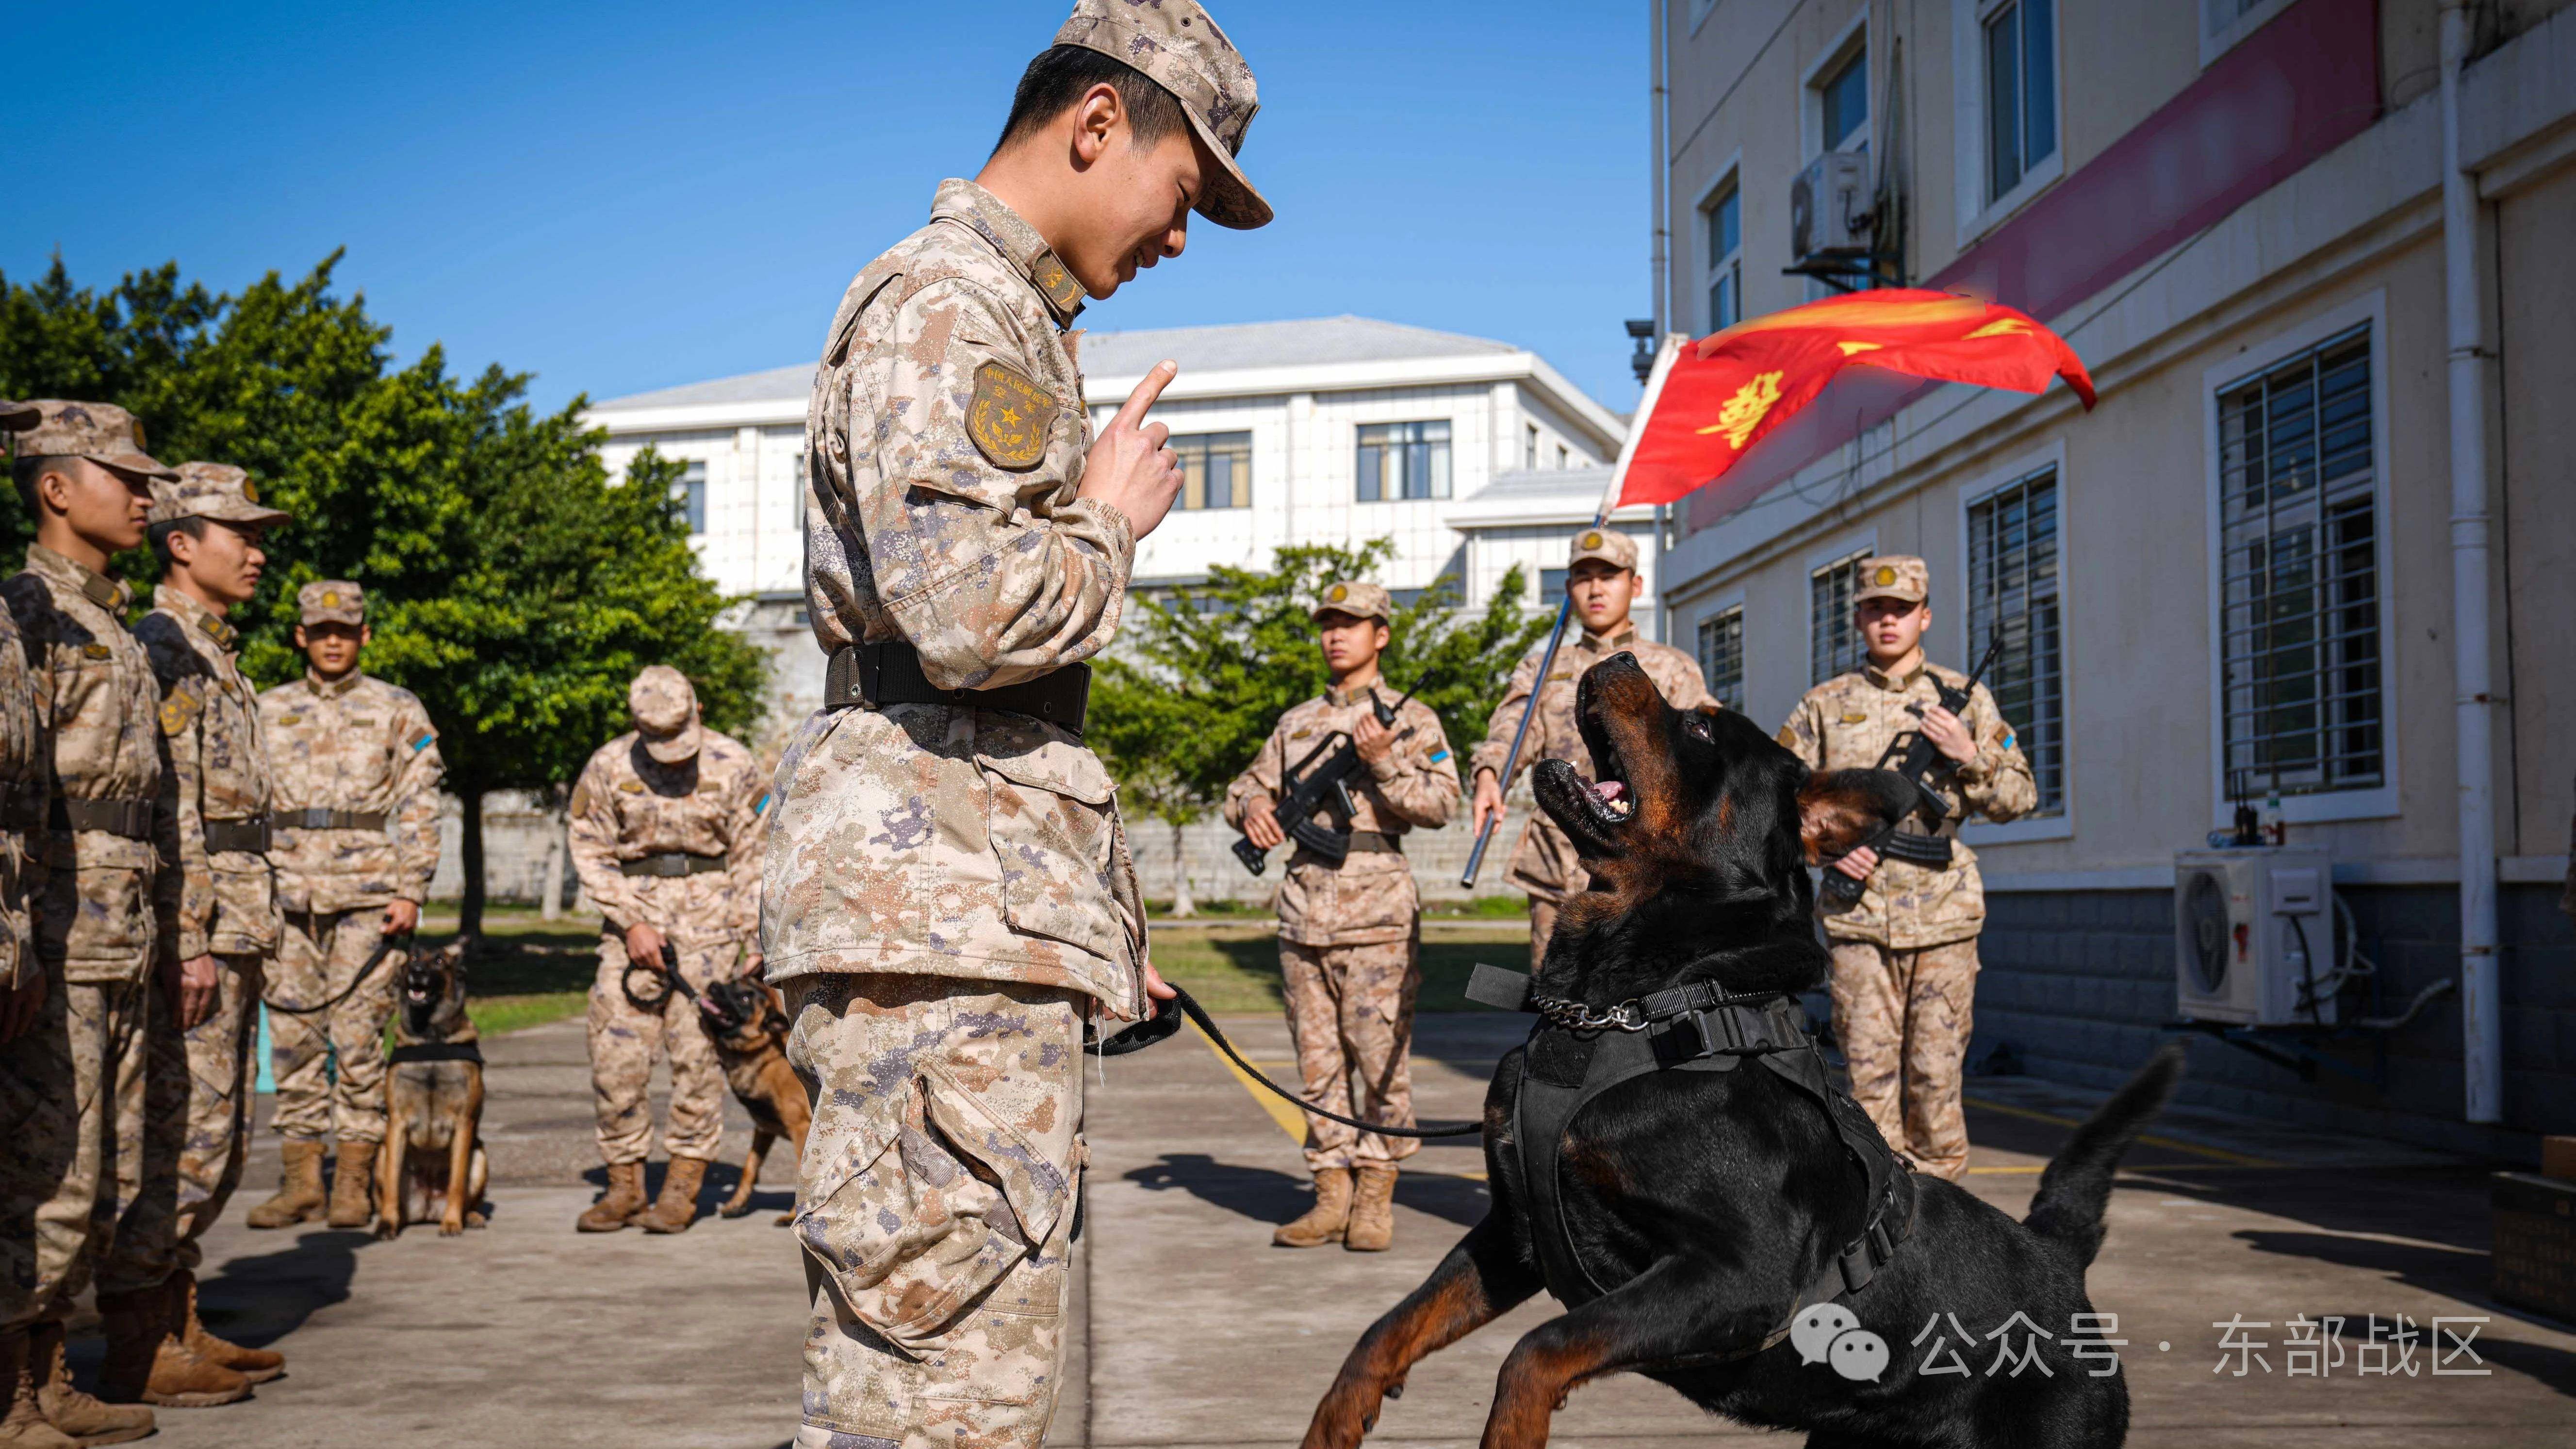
[[783, 1220], [451, 1228], [735, 1210], [387, 1232]]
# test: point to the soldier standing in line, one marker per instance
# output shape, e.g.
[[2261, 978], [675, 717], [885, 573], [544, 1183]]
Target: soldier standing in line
[[355, 841], [666, 835], [1602, 577], [948, 897], [1350, 936], [110, 857], [1904, 936], [207, 528]]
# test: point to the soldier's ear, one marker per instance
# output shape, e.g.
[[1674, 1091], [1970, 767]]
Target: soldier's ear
[[1838, 809]]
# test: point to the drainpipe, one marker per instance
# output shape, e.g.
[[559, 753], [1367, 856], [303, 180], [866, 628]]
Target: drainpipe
[[1659, 110], [2481, 1009]]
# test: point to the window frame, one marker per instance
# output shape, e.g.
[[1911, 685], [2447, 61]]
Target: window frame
[[1729, 186], [2369, 802], [1852, 42], [1181, 503], [2022, 469], [1731, 603], [2215, 43], [1447, 444], [701, 472], [1846, 551], [1978, 213]]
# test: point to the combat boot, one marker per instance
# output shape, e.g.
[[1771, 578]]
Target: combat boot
[[149, 1362], [258, 1365], [353, 1185], [299, 1187], [678, 1206], [624, 1200], [82, 1418], [23, 1426], [1372, 1227], [1327, 1219]]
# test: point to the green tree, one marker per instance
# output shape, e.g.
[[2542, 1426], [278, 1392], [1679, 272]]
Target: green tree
[[1201, 674], [512, 584]]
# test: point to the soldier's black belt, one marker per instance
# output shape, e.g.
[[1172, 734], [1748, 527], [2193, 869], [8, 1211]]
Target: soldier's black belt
[[671, 863], [1373, 840], [328, 819], [249, 834], [889, 672], [129, 818]]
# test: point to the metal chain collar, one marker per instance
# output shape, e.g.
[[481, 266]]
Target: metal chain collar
[[1628, 1015]]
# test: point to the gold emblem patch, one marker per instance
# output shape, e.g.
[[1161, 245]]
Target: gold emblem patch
[[1058, 284], [1592, 540], [330, 598], [1339, 593], [1009, 417], [1883, 577], [1788, 740], [292, 719], [1854, 717], [250, 491], [96, 651], [580, 798], [178, 711], [632, 787]]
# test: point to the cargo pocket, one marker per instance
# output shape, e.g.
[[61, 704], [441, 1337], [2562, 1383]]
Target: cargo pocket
[[1054, 830]]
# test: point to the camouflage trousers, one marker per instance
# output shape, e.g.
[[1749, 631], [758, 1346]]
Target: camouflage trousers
[[219, 1092], [1903, 1019], [936, 1206], [625, 1038], [1350, 1017], [330, 1065]]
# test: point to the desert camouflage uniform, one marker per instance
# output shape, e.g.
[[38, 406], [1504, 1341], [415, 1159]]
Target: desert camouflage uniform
[[627, 806], [40, 1118], [1349, 938], [227, 904], [367, 747], [1905, 952], [1544, 864], [113, 1186]]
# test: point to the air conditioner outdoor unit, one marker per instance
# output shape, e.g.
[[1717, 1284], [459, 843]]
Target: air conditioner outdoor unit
[[2254, 936], [1827, 203]]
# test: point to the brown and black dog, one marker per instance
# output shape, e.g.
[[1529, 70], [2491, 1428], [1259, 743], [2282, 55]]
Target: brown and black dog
[[1695, 1210], [433, 1159], [748, 1023]]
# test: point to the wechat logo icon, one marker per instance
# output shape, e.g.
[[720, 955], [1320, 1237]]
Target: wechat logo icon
[[1827, 1333]]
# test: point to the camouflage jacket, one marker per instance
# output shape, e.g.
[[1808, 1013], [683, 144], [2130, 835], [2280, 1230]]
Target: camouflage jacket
[[1846, 723], [628, 805], [22, 803], [1544, 864], [358, 744], [944, 442], [1372, 897], [218, 770], [97, 703]]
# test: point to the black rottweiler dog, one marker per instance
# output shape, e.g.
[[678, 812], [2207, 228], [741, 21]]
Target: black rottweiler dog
[[1706, 1205]]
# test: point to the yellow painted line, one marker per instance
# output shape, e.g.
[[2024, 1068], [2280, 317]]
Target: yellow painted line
[[1290, 1120], [2215, 1154], [2000, 1171]]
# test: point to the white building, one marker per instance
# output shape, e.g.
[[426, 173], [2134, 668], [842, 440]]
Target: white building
[[1471, 454]]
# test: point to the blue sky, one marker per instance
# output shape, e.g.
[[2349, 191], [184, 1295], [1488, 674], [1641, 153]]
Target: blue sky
[[626, 198]]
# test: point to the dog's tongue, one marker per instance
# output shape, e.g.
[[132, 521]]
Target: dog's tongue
[[1610, 791]]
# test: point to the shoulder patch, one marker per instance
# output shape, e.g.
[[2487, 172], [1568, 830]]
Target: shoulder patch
[[1009, 417], [580, 799], [761, 804], [179, 709], [1438, 755], [1787, 737], [423, 742]]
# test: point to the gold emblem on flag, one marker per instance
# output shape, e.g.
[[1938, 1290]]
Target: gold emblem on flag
[[1744, 411]]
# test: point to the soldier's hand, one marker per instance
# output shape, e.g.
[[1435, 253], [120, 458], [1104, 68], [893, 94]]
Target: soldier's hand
[[199, 980], [751, 965], [1130, 467], [644, 945], [22, 1008], [1489, 799], [1859, 863], [402, 918], [1155, 986], [1945, 730], [1261, 825], [1373, 740]]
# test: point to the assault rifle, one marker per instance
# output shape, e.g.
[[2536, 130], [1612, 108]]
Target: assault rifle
[[1914, 756], [1308, 790]]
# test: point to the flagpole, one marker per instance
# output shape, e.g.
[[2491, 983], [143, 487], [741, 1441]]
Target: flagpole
[[1664, 358]]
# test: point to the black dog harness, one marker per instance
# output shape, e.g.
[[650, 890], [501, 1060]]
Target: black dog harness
[[1577, 1052], [436, 1051]]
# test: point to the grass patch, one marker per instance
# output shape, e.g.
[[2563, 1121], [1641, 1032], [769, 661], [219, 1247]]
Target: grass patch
[[1235, 968], [532, 970]]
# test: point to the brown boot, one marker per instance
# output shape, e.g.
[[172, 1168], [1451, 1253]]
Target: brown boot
[[624, 1200], [148, 1361], [299, 1187], [353, 1185], [1324, 1222], [23, 1426], [67, 1409], [1373, 1213], [678, 1205], [258, 1365]]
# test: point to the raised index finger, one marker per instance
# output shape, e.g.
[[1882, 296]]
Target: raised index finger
[[1131, 413]]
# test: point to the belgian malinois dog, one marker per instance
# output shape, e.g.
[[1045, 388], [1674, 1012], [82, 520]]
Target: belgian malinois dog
[[433, 1158], [748, 1023]]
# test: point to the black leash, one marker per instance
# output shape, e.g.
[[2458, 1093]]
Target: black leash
[[1167, 1019], [384, 948]]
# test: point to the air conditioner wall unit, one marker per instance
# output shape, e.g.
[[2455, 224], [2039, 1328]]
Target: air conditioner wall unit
[[2254, 936], [1827, 204]]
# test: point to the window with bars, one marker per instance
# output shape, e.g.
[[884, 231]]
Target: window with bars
[[691, 490], [1403, 460], [1216, 469], [1834, 643], [1721, 655], [2299, 575], [2012, 595], [1726, 259]]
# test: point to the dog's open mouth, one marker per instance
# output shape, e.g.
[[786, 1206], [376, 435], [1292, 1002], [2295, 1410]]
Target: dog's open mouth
[[1596, 812]]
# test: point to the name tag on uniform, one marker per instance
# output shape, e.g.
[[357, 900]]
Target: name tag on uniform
[[96, 651], [1855, 717], [1301, 734]]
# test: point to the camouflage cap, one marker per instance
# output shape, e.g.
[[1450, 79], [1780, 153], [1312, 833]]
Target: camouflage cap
[[1608, 545], [331, 601], [1179, 47], [1894, 576], [666, 713], [1357, 598], [100, 432], [18, 417], [212, 490]]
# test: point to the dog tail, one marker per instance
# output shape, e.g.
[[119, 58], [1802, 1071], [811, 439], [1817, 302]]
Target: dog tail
[[2077, 1185]]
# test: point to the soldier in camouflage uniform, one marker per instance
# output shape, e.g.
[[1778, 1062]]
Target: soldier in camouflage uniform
[[355, 841], [1905, 942], [666, 836], [948, 898], [108, 855], [1601, 576], [207, 527], [1350, 936]]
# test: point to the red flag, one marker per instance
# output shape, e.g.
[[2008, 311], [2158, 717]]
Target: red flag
[[1727, 392]]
